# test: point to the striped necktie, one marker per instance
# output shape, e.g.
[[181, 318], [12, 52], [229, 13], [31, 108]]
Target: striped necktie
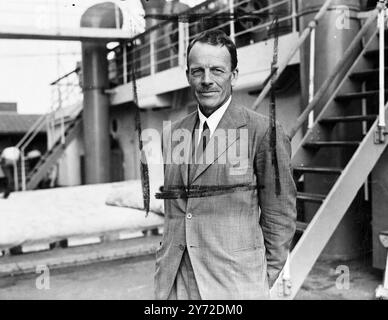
[[205, 137]]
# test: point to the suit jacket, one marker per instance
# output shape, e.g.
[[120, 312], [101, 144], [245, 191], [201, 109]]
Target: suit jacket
[[237, 241]]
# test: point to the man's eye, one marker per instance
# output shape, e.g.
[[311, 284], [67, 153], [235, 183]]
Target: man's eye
[[217, 71], [196, 72]]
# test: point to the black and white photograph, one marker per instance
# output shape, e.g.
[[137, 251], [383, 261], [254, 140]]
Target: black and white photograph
[[219, 150]]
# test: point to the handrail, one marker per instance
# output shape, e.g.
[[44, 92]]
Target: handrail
[[306, 32], [147, 60], [35, 127], [338, 67], [42, 118], [264, 25], [32, 136], [164, 23], [42, 121], [30, 130], [76, 70]]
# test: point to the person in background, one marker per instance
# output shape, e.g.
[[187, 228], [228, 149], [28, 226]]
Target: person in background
[[8, 160]]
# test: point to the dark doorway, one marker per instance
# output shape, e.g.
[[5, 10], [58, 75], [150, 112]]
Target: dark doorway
[[117, 161]]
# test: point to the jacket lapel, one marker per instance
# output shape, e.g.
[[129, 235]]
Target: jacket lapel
[[233, 118]]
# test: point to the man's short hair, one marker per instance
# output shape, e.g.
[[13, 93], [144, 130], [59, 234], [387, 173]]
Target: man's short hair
[[215, 38]]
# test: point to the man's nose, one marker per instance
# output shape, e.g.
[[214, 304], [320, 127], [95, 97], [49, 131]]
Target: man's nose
[[206, 79]]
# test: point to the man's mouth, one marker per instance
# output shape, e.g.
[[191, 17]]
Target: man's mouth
[[207, 93]]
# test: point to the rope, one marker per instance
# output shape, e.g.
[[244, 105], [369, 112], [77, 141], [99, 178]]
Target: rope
[[196, 191], [144, 173], [272, 105]]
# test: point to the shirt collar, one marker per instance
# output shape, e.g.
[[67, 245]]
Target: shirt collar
[[214, 119]]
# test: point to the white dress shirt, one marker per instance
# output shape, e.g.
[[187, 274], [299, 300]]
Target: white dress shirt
[[213, 120]]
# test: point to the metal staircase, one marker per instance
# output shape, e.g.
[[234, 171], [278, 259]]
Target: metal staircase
[[338, 152], [54, 153], [63, 124]]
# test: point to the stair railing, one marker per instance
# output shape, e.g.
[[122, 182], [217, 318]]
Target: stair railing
[[337, 69], [302, 38], [48, 120], [24, 143]]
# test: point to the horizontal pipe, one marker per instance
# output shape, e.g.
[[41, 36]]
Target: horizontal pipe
[[265, 25]]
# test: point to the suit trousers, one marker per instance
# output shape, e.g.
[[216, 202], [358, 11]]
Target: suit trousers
[[185, 286]]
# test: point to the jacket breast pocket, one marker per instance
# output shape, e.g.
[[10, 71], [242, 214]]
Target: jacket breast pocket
[[238, 174]]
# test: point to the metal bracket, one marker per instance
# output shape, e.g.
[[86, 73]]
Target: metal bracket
[[110, 91], [380, 134], [381, 293], [382, 289], [284, 288], [287, 287]]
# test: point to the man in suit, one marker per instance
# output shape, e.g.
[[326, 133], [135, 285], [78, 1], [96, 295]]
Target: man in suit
[[228, 228]]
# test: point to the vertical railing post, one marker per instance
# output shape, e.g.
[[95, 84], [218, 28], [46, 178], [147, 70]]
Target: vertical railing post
[[152, 38], [48, 132], [23, 167], [125, 68], [381, 26], [294, 20], [181, 43], [48, 119], [15, 175], [62, 129], [187, 39], [231, 23], [61, 114], [311, 75], [364, 132]]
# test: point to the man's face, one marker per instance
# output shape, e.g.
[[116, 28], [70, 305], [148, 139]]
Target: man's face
[[210, 75]]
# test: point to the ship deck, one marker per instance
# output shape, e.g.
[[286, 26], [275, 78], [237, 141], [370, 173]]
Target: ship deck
[[50, 215]]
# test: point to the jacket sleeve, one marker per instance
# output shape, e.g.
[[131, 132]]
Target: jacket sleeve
[[278, 212]]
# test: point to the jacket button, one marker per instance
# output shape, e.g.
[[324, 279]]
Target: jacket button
[[182, 247], [189, 216]]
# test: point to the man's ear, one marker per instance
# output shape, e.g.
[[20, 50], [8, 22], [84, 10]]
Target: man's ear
[[234, 76], [187, 75]]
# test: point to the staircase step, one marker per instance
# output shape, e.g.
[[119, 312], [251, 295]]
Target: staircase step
[[319, 144], [371, 117], [310, 197], [323, 170], [373, 53], [301, 226], [366, 74], [358, 95]]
